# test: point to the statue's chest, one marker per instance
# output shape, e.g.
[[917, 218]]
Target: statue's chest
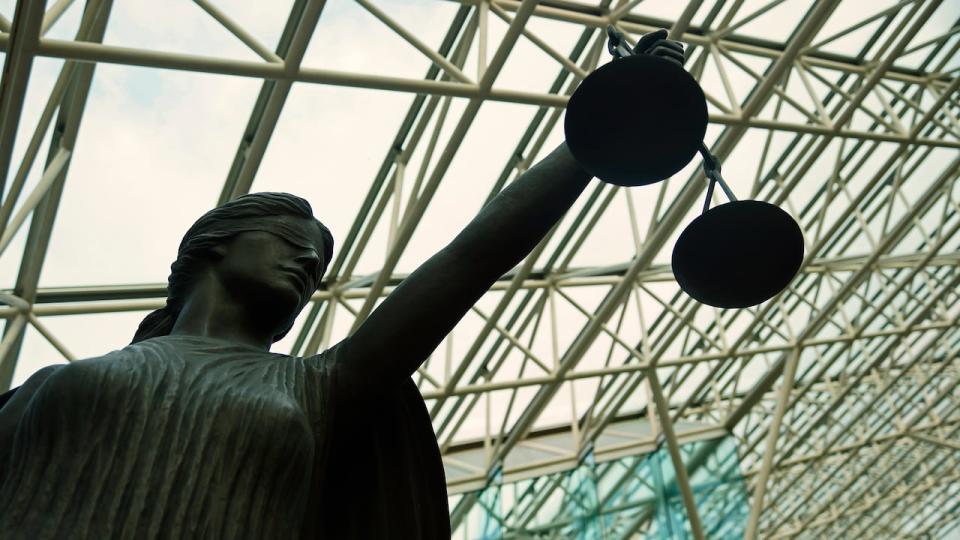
[[159, 439], [226, 411]]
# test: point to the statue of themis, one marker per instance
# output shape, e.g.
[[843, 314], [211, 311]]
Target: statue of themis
[[196, 429]]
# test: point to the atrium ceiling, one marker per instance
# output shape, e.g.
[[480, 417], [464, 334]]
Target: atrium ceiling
[[122, 122]]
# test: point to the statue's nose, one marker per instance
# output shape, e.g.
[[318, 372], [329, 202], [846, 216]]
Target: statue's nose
[[309, 259]]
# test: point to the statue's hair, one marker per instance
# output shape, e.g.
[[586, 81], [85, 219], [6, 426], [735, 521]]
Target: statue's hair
[[212, 229]]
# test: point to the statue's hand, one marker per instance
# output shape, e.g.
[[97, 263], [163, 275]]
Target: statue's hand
[[657, 44]]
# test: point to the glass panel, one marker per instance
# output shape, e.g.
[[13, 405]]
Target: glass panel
[[636, 496]]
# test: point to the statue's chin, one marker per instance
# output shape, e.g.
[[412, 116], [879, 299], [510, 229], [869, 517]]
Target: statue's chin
[[274, 308]]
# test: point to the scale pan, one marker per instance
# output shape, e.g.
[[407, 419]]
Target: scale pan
[[738, 254], [636, 120]]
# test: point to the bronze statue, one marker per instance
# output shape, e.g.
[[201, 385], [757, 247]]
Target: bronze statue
[[196, 430]]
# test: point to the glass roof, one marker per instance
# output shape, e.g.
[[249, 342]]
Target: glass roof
[[127, 120]]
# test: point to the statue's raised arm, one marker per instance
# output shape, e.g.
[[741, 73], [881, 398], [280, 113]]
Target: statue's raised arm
[[402, 332]]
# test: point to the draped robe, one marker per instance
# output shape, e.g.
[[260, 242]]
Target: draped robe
[[194, 437]]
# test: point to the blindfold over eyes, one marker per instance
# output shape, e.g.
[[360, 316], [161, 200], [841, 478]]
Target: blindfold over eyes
[[299, 232]]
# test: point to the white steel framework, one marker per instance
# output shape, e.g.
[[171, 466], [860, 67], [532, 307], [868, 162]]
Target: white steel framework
[[841, 391]]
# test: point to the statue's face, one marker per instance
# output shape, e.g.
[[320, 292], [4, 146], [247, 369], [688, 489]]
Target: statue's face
[[275, 275]]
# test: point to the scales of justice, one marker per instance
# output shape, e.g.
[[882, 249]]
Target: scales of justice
[[734, 255]]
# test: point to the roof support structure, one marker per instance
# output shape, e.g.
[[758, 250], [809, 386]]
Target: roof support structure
[[859, 147], [92, 27], [24, 41], [273, 94]]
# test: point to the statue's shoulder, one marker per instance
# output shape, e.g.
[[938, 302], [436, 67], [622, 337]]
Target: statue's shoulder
[[131, 365], [94, 365], [108, 359], [327, 359]]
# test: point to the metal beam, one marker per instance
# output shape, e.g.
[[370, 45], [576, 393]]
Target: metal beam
[[23, 42], [92, 27], [952, 445], [273, 95]]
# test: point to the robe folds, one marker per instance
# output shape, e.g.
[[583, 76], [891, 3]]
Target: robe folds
[[194, 437]]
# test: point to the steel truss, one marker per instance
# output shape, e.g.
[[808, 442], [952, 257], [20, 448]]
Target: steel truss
[[841, 391]]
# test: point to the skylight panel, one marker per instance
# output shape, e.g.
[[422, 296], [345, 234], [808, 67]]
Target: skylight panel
[[153, 150]]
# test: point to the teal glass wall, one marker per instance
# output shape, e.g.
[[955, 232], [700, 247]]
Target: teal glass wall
[[632, 497]]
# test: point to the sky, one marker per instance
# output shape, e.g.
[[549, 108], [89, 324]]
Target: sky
[[156, 145]]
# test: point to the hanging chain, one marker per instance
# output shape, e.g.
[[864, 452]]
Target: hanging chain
[[711, 168]]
